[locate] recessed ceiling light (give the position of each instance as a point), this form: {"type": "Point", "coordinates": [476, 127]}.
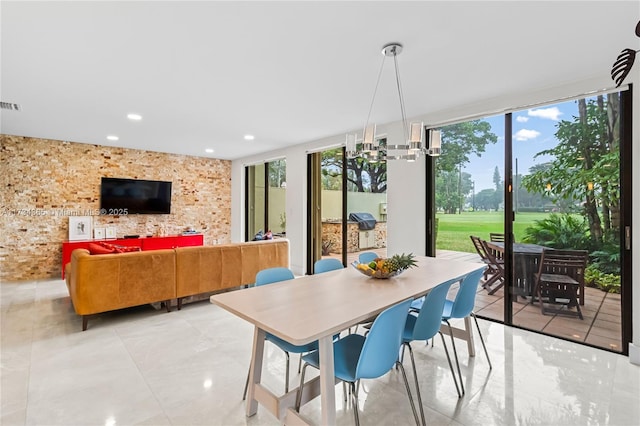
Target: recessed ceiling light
{"type": "Point", "coordinates": [209, 150]}
{"type": "Point", "coordinates": [249, 137]}
{"type": "Point", "coordinates": [113, 137]}
{"type": "Point", "coordinates": [134, 117]}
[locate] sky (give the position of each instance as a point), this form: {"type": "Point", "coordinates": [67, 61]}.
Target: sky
{"type": "Point", "coordinates": [533, 131]}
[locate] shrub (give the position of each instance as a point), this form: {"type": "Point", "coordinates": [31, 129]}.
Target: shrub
{"type": "Point", "coordinates": [559, 231]}
{"type": "Point", "coordinates": [606, 282]}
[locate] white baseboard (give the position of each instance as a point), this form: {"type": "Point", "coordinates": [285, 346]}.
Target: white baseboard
{"type": "Point", "coordinates": [634, 354]}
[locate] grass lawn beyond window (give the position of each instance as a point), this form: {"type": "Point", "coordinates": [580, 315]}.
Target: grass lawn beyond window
{"type": "Point", "coordinates": [454, 229]}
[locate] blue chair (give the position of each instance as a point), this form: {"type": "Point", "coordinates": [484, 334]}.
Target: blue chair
{"type": "Point", "coordinates": [269, 276]}
{"type": "Point", "coordinates": [367, 256]}
{"type": "Point", "coordinates": [326, 265]}
{"type": "Point", "coordinates": [426, 325]}
{"type": "Point", "coordinates": [358, 357]}
{"type": "Point", "coordinates": [462, 307]}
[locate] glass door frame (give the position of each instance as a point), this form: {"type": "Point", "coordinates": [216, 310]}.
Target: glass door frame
{"type": "Point", "coordinates": [314, 196]}
{"type": "Point", "coordinates": [625, 147]}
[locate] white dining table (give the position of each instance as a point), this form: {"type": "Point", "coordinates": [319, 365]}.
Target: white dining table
{"type": "Point", "coordinates": [315, 307]}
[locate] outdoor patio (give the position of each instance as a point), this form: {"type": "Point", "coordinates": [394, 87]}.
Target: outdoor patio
{"type": "Point", "coordinates": [601, 325]}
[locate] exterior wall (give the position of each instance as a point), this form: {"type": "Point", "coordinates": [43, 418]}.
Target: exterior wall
{"type": "Point", "coordinates": [332, 232]}
{"type": "Point", "coordinates": [45, 181]}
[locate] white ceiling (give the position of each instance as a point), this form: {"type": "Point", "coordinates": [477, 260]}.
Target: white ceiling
{"type": "Point", "coordinates": [204, 74]}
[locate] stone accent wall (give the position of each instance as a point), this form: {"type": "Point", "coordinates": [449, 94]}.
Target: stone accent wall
{"type": "Point", "coordinates": [332, 232]}
{"type": "Point", "coordinates": [45, 181]}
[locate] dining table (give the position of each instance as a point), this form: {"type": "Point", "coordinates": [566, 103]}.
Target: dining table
{"type": "Point", "coordinates": [526, 261]}
{"type": "Point", "coordinates": [316, 307]}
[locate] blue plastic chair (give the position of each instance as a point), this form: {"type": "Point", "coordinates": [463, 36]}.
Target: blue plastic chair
{"type": "Point", "coordinates": [367, 357]}
{"type": "Point", "coordinates": [269, 276]}
{"type": "Point", "coordinates": [426, 325]}
{"type": "Point", "coordinates": [367, 256]}
{"type": "Point", "coordinates": [462, 307]}
{"type": "Point", "coordinates": [326, 265]}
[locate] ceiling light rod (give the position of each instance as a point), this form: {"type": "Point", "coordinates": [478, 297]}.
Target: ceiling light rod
{"type": "Point", "coordinates": [369, 146]}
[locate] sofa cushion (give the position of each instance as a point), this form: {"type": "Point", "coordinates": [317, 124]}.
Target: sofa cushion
{"type": "Point", "coordinates": [126, 249]}
{"type": "Point", "coordinates": [97, 248]}
{"type": "Point", "coordinates": [106, 248]}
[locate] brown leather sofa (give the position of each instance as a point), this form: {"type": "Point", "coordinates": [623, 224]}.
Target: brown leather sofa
{"type": "Point", "coordinates": [101, 283]}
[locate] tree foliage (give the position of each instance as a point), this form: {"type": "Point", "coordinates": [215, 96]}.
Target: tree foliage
{"type": "Point", "coordinates": [362, 175]}
{"type": "Point", "coordinates": [585, 165]}
{"type": "Point", "coordinates": [453, 187]}
{"type": "Point", "coordinates": [459, 141]}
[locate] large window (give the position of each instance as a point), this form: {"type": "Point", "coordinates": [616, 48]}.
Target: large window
{"type": "Point", "coordinates": [265, 199]}
{"type": "Point", "coordinates": [542, 179]}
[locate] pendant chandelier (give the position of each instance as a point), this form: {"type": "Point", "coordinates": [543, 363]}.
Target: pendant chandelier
{"type": "Point", "coordinates": [369, 146]}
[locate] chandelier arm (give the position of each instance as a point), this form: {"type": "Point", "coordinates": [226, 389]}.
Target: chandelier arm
{"type": "Point", "coordinates": [401, 97]}
{"type": "Point", "coordinates": [375, 91]}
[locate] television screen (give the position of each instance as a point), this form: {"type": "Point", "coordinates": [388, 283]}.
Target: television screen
{"type": "Point", "coordinates": [120, 196]}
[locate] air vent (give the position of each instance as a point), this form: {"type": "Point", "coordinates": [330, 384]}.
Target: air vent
{"type": "Point", "coordinates": [10, 106]}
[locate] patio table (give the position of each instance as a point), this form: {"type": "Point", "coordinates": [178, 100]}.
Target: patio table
{"type": "Point", "coordinates": [526, 260]}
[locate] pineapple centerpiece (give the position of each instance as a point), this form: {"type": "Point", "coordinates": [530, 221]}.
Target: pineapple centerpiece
{"type": "Point", "coordinates": [387, 268]}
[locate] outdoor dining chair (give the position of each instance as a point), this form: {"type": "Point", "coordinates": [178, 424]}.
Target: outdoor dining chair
{"type": "Point", "coordinates": [496, 237]}
{"type": "Point", "coordinates": [494, 273]}
{"type": "Point", "coordinates": [560, 280]}
{"type": "Point", "coordinates": [367, 357]}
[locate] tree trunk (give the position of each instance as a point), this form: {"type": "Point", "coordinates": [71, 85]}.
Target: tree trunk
{"type": "Point", "coordinates": [590, 206]}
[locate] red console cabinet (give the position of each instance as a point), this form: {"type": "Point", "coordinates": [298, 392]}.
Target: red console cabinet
{"type": "Point", "coordinates": [149, 243]}
{"type": "Point", "coordinates": [159, 243]}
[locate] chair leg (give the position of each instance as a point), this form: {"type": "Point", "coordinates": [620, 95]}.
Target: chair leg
{"type": "Point", "coordinates": [246, 385]}
{"type": "Point", "coordinates": [354, 399]}
{"type": "Point", "coordinates": [413, 406]}
{"type": "Point", "coordinates": [453, 373]}
{"type": "Point", "coordinates": [455, 354]}
{"type": "Point", "coordinates": [286, 374]}
{"type": "Point", "coordinates": [299, 393]}
{"type": "Point", "coordinates": [482, 340]}
{"type": "Point", "coordinates": [299, 363]}
{"type": "Point", "coordinates": [415, 377]}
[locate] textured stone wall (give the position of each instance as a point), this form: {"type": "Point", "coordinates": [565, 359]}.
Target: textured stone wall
{"type": "Point", "coordinates": [332, 232]}
{"type": "Point", "coordinates": [45, 181]}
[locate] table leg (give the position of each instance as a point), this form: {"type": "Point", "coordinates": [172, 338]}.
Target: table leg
{"type": "Point", "coordinates": [468, 328]}
{"type": "Point", "coordinates": [255, 371]}
{"type": "Point", "coordinates": [327, 381]}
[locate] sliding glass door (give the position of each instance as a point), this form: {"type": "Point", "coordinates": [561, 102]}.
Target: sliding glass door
{"type": "Point", "coordinates": [347, 206]}
{"type": "Point", "coordinates": [552, 180]}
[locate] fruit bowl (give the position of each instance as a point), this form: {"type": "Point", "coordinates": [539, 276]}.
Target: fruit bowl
{"type": "Point", "coordinates": [377, 274]}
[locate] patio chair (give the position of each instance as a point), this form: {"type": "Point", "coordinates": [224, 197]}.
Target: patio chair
{"type": "Point", "coordinates": [496, 270]}
{"type": "Point", "coordinates": [495, 265]}
{"type": "Point", "coordinates": [496, 237]}
{"type": "Point", "coordinates": [560, 280]}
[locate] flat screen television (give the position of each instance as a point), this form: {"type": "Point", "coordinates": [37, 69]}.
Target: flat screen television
{"type": "Point", "coordinates": [119, 196]}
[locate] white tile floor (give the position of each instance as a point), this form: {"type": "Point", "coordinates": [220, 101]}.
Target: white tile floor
{"type": "Point", "coordinates": [147, 367]}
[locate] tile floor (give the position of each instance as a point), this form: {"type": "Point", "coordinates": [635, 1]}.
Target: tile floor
{"type": "Point", "coordinates": [144, 366]}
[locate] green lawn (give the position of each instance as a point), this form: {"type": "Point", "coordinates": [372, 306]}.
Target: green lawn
{"type": "Point", "coordinates": [454, 229]}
